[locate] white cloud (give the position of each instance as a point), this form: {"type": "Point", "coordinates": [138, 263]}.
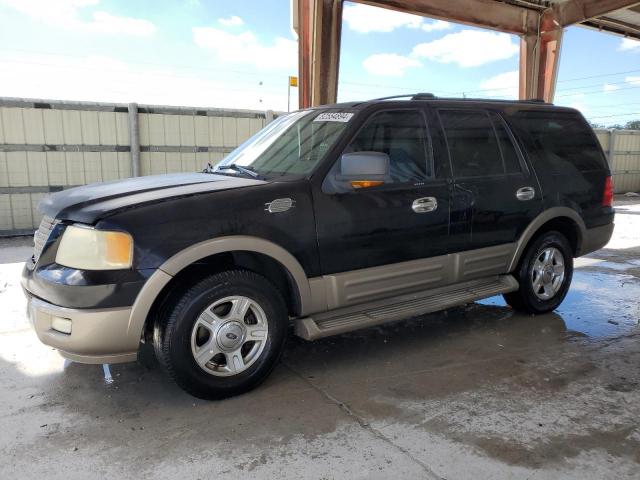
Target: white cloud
{"type": "Point", "coordinates": [608, 88]}
{"type": "Point", "coordinates": [629, 44]}
{"type": "Point", "coordinates": [66, 14]}
{"type": "Point", "coordinates": [436, 25]}
{"type": "Point", "coordinates": [365, 18]}
{"type": "Point", "coordinates": [106, 23]}
{"type": "Point", "coordinates": [635, 81]}
{"type": "Point", "coordinates": [234, 21]}
{"type": "Point", "coordinates": [389, 64]}
{"type": "Point", "coordinates": [468, 48]}
{"type": "Point", "coordinates": [502, 85]}
{"type": "Point", "coordinates": [244, 48]}
{"type": "Point", "coordinates": [107, 79]}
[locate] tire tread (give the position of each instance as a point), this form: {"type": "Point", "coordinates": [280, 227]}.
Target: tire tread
{"type": "Point", "coordinates": [167, 322]}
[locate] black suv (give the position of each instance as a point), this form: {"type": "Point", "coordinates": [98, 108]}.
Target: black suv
{"type": "Point", "coordinates": [329, 219]}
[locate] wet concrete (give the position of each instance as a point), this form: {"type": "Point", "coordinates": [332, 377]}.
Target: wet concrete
{"type": "Point", "coordinates": [474, 392]}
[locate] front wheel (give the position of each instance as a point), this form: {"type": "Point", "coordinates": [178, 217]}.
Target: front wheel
{"type": "Point", "coordinates": [224, 335]}
{"type": "Point", "coordinates": [544, 274]}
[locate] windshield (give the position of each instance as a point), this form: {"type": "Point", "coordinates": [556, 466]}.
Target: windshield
{"type": "Point", "coordinates": [290, 145]}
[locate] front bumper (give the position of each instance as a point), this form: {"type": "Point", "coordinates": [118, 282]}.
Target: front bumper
{"type": "Point", "coordinates": [97, 335]}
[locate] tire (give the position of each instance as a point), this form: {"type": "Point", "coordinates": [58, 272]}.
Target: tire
{"type": "Point", "coordinates": [544, 274]}
{"type": "Point", "coordinates": [223, 336]}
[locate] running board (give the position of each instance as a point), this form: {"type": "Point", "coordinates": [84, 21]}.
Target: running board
{"type": "Point", "coordinates": [402, 307]}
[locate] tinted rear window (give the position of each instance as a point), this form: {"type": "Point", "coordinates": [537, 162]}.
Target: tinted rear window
{"type": "Point", "coordinates": [564, 140]}
{"type": "Point", "coordinates": [472, 143]}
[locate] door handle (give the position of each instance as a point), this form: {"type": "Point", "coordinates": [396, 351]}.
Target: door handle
{"type": "Point", "coordinates": [525, 193]}
{"type": "Point", "coordinates": [424, 204]}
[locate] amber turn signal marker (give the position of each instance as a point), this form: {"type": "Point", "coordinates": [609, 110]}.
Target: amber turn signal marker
{"type": "Point", "coordinates": [118, 248]}
{"type": "Point", "coordinates": [366, 183]}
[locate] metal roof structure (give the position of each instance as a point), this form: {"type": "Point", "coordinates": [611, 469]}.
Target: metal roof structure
{"type": "Point", "coordinates": [538, 23]}
{"type": "Point", "coordinates": [625, 21]}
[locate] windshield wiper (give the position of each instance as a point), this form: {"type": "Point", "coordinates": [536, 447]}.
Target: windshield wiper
{"type": "Point", "coordinates": [239, 169]}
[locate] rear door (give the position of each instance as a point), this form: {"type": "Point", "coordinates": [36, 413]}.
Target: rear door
{"type": "Point", "coordinates": [568, 160]}
{"type": "Point", "coordinates": [494, 194]}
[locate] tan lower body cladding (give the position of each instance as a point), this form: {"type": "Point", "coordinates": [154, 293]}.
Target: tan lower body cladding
{"type": "Point", "coordinates": [345, 289]}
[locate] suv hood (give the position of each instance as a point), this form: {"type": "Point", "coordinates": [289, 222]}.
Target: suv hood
{"type": "Point", "coordinates": [89, 203]}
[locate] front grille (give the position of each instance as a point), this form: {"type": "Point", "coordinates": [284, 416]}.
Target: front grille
{"type": "Point", "coordinates": [41, 236]}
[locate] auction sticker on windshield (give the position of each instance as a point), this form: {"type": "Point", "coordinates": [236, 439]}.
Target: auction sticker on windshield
{"type": "Point", "coordinates": [333, 117]}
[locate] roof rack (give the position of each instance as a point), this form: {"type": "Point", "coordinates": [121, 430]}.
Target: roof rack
{"type": "Point", "coordinates": [431, 96]}
{"type": "Point", "coordinates": [411, 96]}
{"type": "Point", "coordinates": [423, 96]}
{"type": "Point", "coordinates": [496, 100]}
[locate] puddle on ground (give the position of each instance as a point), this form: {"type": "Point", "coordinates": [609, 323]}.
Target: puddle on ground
{"type": "Point", "coordinates": [597, 305]}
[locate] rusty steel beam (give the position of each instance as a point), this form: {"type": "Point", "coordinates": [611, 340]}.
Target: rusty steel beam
{"type": "Point", "coordinates": [480, 13]}
{"type": "Point", "coordinates": [578, 11]}
{"type": "Point", "coordinates": [302, 13]}
{"type": "Point", "coordinates": [539, 59]}
{"type": "Point", "coordinates": [613, 25]}
{"type": "Point", "coordinates": [318, 24]}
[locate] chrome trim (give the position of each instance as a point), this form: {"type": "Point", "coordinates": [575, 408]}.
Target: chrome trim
{"type": "Point", "coordinates": [525, 193]}
{"type": "Point", "coordinates": [279, 205]}
{"type": "Point", "coordinates": [424, 205]}
{"type": "Point", "coordinates": [41, 236]}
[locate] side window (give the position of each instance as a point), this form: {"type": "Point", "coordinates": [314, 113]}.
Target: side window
{"type": "Point", "coordinates": [401, 134]}
{"type": "Point", "coordinates": [509, 154]}
{"type": "Point", "coordinates": [564, 141]}
{"type": "Point", "coordinates": [472, 143]}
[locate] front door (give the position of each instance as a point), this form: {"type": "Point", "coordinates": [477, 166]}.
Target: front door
{"type": "Point", "coordinates": [405, 218]}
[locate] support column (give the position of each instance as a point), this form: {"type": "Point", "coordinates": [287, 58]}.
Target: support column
{"type": "Point", "coordinates": [318, 24]}
{"type": "Point", "coordinates": [539, 59]}
{"type": "Point", "coordinates": [134, 139]}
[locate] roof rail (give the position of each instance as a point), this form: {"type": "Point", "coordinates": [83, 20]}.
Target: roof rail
{"type": "Point", "coordinates": [423, 96]}
{"type": "Point", "coordinates": [494, 100]}
{"type": "Point", "coordinates": [431, 96]}
{"type": "Point", "coordinates": [411, 96]}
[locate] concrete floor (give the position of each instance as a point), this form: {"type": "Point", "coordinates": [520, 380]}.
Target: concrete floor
{"type": "Point", "coordinates": [472, 393]}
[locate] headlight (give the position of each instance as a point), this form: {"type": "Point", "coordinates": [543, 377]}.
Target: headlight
{"type": "Point", "coordinates": [86, 248]}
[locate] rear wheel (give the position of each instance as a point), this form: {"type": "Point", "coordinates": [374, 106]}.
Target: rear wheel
{"type": "Point", "coordinates": [224, 335]}
{"type": "Point", "coordinates": [544, 274]}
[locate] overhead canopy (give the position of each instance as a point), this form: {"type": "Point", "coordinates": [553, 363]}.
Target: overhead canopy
{"type": "Point", "coordinates": [539, 23]}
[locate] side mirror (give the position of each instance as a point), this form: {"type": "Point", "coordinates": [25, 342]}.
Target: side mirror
{"type": "Point", "coordinates": [364, 169]}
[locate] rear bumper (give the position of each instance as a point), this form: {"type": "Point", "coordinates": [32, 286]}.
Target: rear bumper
{"type": "Point", "coordinates": [595, 238]}
{"type": "Point", "coordinates": [97, 335]}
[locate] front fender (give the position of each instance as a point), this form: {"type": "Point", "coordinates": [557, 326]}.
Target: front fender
{"type": "Point", "coordinates": [207, 248]}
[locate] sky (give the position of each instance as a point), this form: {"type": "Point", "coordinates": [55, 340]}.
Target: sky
{"type": "Point", "coordinates": [239, 54]}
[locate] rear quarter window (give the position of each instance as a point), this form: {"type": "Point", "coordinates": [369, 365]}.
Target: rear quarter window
{"type": "Point", "coordinates": [563, 140]}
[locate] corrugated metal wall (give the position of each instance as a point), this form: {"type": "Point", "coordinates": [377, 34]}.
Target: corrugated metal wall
{"type": "Point", "coordinates": [623, 151]}
{"type": "Point", "coordinates": [47, 146]}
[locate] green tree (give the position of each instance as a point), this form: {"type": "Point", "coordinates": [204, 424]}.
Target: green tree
{"type": "Point", "coordinates": [633, 125]}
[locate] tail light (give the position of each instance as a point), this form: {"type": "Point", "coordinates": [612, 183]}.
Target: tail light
{"type": "Point", "coordinates": [607, 196]}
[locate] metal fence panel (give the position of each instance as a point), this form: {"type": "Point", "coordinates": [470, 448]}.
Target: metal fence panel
{"type": "Point", "coordinates": [50, 145]}
{"type": "Point", "coordinates": [623, 152]}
